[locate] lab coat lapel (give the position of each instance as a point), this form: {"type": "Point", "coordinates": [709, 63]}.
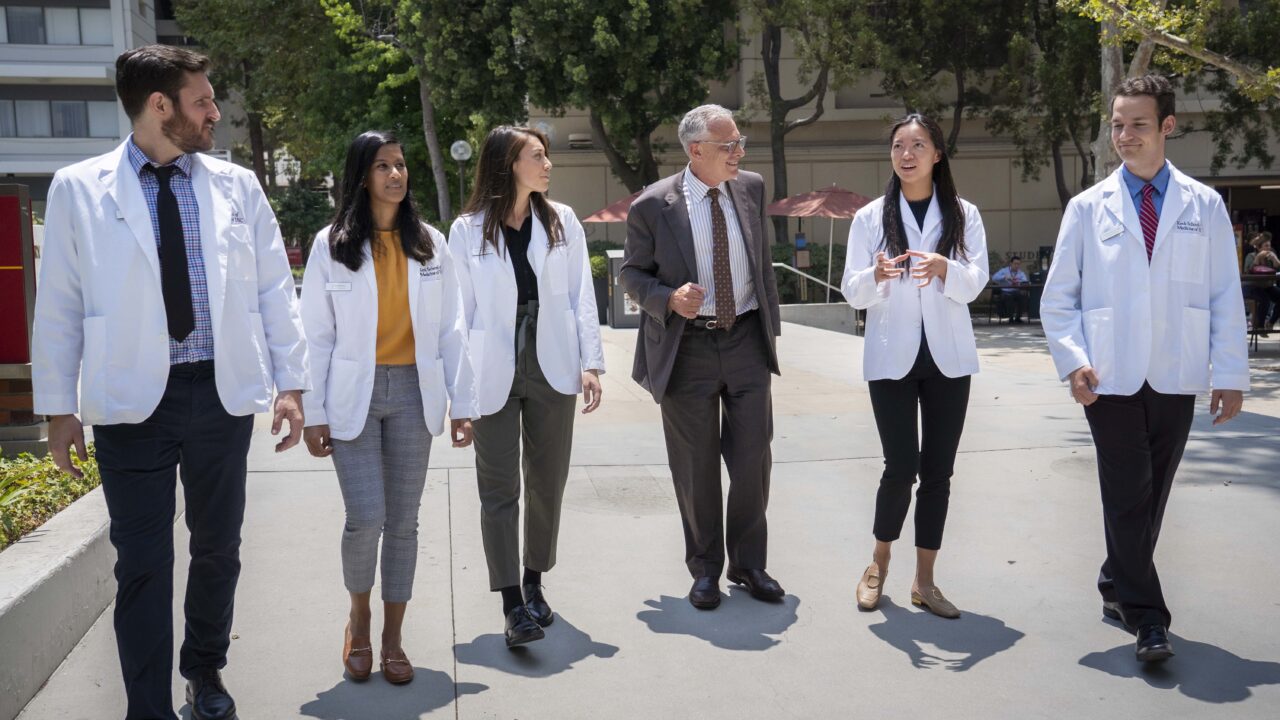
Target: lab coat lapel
{"type": "Point", "coordinates": [125, 189]}
{"type": "Point", "coordinates": [676, 215]}
{"type": "Point", "coordinates": [213, 197]}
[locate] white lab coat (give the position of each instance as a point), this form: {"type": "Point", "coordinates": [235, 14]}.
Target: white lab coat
{"type": "Point", "coordinates": [897, 309]}
{"type": "Point", "coordinates": [100, 317]}
{"type": "Point", "coordinates": [1176, 322]}
{"type": "Point", "coordinates": [340, 315]}
{"type": "Point", "coordinates": [568, 335]}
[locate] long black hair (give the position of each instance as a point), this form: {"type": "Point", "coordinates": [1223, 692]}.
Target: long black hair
{"type": "Point", "coordinates": [951, 244]}
{"type": "Point", "coordinates": [494, 190]}
{"type": "Point", "coordinates": [353, 223]}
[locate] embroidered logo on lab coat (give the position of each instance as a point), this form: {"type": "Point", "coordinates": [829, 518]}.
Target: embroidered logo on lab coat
{"type": "Point", "coordinates": [430, 272]}
{"type": "Point", "coordinates": [1188, 226]}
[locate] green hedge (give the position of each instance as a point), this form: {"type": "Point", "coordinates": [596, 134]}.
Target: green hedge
{"type": "Point", "coordinates": [32, 490]}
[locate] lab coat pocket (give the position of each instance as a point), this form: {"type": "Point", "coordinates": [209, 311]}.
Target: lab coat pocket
{"type": "Point", "coordinates": [1190, 257]}
{"type": "Point", "coordinates": [340, 395]}
{"type": "Point", "coordinates": [1100, 336]}
{"type": "Point", "coordinates": [93, 370]}
{"type": "Point", "coordinates": [1193, 365]}
{"type": "Point", "coordinates": [241, 261]}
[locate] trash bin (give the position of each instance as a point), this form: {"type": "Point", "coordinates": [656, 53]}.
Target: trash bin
{"type": "Point", "coordinates": [623, 311]}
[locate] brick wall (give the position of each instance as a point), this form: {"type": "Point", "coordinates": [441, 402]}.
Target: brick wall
{"type": "Point", "coordinates": [15, 402]}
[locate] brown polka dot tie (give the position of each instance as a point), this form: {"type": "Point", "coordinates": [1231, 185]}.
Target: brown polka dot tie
{"type": "Point", "coordinates": [722, 274]}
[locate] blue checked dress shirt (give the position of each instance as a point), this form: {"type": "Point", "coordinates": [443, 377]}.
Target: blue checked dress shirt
{"type": "Point", "coordinates": [199, 344]}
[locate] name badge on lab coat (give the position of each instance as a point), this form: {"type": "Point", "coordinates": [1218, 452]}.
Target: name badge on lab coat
{"type": "Point", "coordinates": [337, 287]}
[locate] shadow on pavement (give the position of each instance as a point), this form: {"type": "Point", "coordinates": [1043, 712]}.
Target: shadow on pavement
{"type": "Point", "coordinates": [960, 644]}
{"type": "Point", "coordinates": [740, 623]}
{"type": "Point", "coordinates": [1200, 671]}
{"type": "Point", "coordinates": [563, 646]}
{"type": "Point", "coordinates": [348, 700]}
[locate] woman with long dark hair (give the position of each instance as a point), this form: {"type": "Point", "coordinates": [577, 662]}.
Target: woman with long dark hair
{"type": "Point", "coordinates": [533, 331]}
{"type": "Point", "coordinates": [916, 258]}
{"type": "Point", "coordinates": [388, 347]}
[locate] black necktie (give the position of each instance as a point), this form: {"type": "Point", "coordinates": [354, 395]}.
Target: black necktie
{"type": "Point", "coordinates": [175, 283]}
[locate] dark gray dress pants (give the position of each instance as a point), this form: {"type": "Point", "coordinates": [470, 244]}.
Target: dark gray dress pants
{"type": "Point", "coordinates": [718, 404]}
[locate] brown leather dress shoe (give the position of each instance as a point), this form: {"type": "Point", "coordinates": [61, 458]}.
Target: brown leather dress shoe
{"type": "Point", "coordinates": [396, 668]}
{"type": "Point", "coordinates": [357, 655]}
{"type": "Point", "coordinates": [870, 587]}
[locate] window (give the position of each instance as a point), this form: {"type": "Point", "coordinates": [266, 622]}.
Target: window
{"type": "Point", "coordinates": [95, 26]}
{"type": "Point", "coordinates": [104, 122]}
{"type": "Point", "coordinates": [8, 128]}
{"type": "Point", "coordinates": [59, 118]}
{"type": "Point", "coordinates": [33, 118]}
{"type": "Point", "coordinates": [70, 118]}
{"type": "Point", "coordinates": [62, 26]}
{"type": "Point", "coordinates": [55, 26]}
{"type": "Point", "coordinates": [26, 25]}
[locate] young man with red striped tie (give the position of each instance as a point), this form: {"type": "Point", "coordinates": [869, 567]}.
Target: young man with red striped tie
{"type": "Point", "coordinates": [1143, 310]}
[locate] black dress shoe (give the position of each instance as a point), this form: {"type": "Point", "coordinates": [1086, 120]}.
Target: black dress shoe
{"type": "Point", "coordinates": [209, 698]}
{"type": "Point", "coordinates": [1153, 644]}
{"type": "Point", "coordinates": [522, 628]}
{"type": "Point", "coordinates": [705, 593]}
{"type": "Point", "coordinates": [1111, 609]}
{"type": "Point", "coordinates": [537, 605]}
{"type": "Point", "coordinates": [758, 583]}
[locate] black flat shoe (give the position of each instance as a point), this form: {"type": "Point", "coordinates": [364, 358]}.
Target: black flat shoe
{"type": "Point", "coordinates": [1153, 644]}
{"type": "Point", "coordinates": [705, 593]}
{"type": "Point", "coordinates": [758, 583]}
{"type": "Point", "coordinates": [522, 628]}
{"type": "Point", "coordinates": [537, 605]}
{"type": "Point", "coordinates": [209, 698]}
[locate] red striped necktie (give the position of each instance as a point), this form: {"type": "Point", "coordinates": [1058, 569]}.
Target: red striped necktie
{"type": "Point", "coordinates": [1147, 217]}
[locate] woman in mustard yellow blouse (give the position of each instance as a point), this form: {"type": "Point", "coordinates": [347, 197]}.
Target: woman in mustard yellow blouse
{"type": "Point", "coordinates": [388, 348]}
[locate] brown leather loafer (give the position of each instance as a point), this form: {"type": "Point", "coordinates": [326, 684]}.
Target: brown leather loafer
{"type": "Point", "coordinates": [870, 587]}
{"type": "Point", "coordinates": [933, 601]}
{"type": "Point", "coordinates": [396, 669]}
{"type": "Point", "coordinates": [357, 655]}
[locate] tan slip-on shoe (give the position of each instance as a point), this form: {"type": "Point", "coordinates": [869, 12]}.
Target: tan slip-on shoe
{"type": "Point", "coordinates": [870, 587]}
{"type": "Point", "coordinates": [357, 655]}
{"type": "Point", "coordinates": [933, 601]}
{"type": "Point", "coordinates": [396, 669]}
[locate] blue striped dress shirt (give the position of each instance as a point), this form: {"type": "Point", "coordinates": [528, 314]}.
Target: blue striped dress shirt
{"type": "Point", "coordinates": [744, 289]}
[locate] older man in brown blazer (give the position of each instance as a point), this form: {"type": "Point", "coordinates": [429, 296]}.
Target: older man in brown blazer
{"type": "Point", "coordinates": [698, 263]}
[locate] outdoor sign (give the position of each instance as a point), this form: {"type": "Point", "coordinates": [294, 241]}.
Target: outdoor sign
{"type": "Point", "coordinates": [17, 275]}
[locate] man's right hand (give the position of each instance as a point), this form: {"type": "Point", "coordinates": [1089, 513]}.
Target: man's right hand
{"type": "Point", "coordinates": [1083, 382]}
{"type": "Point", "coordinates": [686, 300]}
{"type": "Point", "coordinates": [65, 431]}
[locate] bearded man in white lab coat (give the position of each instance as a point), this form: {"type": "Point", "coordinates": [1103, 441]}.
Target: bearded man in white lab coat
{"type": "Point", "coordinates": [1143, 310]}
{"type": "Point", "coordinates": [165, 316]}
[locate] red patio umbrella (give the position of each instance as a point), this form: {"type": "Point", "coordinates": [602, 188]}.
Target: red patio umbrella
{"type": "Point", "coordinates": [829, 202]}
{"type": "Point", "coordinates": [615, 212]}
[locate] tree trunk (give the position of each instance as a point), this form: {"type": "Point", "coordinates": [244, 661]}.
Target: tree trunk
{"type": "Point", "coordinates": [1060, 175]}
{"type": "Point", "coordinates": [257, 148]}
{"type": "Point", "coordinates": [633, 178]}
{"type": "Point", "coordinates": [1104, 155]}
{"type": "Point", "coordinates": [957, 115]}
{"type": "Point", "coordinates": [433, 141]}
{"type": "Point", "coordinates": [770, 44]}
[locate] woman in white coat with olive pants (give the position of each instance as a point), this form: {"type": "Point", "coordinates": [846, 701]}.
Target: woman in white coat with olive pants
{"type": "Point", "coordinates": [919, 349]}
{"type": "Point", "coordinates": [535, 338]}
{"type": "Point", "coordinates": [383, 316]}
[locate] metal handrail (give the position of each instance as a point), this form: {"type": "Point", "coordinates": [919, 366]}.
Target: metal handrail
{"type": "Point", "coordinates": [804, 274]}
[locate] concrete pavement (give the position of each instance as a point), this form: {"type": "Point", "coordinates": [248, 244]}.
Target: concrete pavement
{"type": "Point", "coordinates": [1023, 543]}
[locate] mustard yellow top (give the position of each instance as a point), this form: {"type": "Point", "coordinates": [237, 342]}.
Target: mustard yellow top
{"type": "Point", "coordinates": [395, 325]}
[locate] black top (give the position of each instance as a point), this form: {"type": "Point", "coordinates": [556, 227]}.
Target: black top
{"type": "Point", "coordinates": [920, 208]}
{"type": "Point", "coordinates": [518, 246]}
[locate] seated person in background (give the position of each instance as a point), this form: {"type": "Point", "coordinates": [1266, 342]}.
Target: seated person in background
{"type": "Point", "coordinates": [1266, 307]}
{"type": "Point", "coordinates": [1251, 252]}
{"type": "Point", "coordinates": [1009, 300]}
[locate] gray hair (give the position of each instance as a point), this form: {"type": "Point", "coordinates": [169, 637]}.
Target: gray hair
{"type": "Point", "coordinates": [693, 127]}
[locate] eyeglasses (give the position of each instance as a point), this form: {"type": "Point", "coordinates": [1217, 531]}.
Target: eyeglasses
{"type": "Point", "coordinates": [740, 144]}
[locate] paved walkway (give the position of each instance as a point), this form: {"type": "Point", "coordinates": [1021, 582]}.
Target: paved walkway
{"type": "Point", "coordinates": [1024, 540]}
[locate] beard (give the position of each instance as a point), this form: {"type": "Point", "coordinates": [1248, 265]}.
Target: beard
{"type": "Point", "coordinates": [187, 135]}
